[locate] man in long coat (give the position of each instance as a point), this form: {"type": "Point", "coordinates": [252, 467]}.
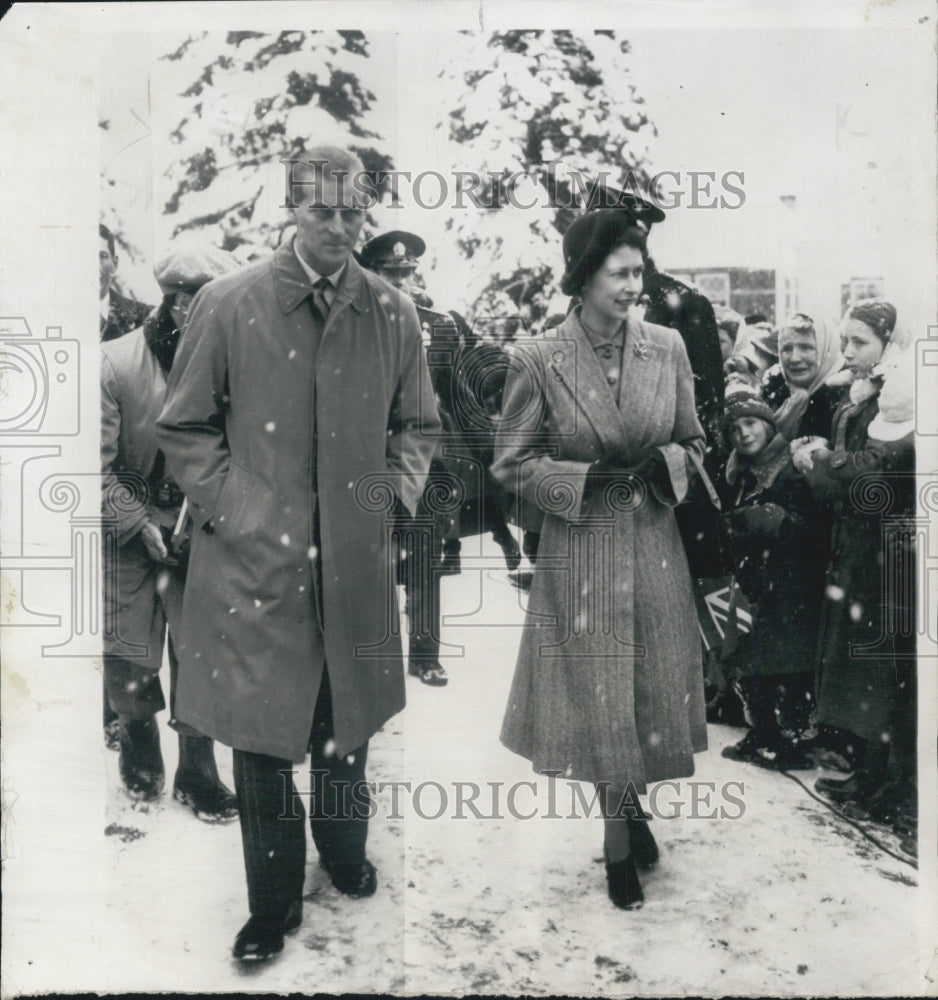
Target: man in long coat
{"type": "Point", "coordinates": [140, 509]}
{"type": "Point", "coordinates": [117, 315]}
{"type": "Point", "coordinates": [300, 405]}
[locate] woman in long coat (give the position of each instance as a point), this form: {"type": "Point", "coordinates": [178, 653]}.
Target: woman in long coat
{"type": "Point", "coordinates": [867, 644]}
{"type": "Point", "coordinates": [599, 431]}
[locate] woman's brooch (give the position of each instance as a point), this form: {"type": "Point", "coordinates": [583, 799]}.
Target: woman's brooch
{"type": "Point", "coordinates": [641, 350]}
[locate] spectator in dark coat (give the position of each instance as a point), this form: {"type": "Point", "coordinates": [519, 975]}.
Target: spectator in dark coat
{"type": "Point", "coordinates": [805, 387]}
{"type": "Point", "coordinates": [777, 531]}
{"type": "Point", "coordinates": [867, 648]}
{"type": "Point", "coordinates": [119, 315]}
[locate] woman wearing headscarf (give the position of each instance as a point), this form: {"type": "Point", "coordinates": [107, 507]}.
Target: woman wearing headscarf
{"type": "Point", "coordinates": [599, 430]}
{"type": "Point", "coordinates": [799, 388]}
{"type": "Point", "coordinates": [866, 659]}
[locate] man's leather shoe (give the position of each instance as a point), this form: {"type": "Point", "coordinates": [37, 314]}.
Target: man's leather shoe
{"type": "Point", "coordinates": [262, 937]}
{"type": "Point", "coordinates": [112, 735]}
{"type": "Point", "coordinates": [451, 564]}
{"type": "Point", "coordinates": [355, 878]}
{"type": "Point", "coordinates": [429, 671]}
{"type": "Point", "coordinates": [211, 801]}
{"type": "Point", "coordinates": [746, 750]}
{"type": "Point", "coordinates": [510, 550]}
{"type": "Point", "coordinates": [141, 762]}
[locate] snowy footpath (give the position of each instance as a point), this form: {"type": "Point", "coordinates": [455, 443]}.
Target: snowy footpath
{"type": "Point", "coordinates": [490, 880]}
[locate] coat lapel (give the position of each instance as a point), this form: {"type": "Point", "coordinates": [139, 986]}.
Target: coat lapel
{"type": "Point", "coordinates": [643, 363]}
{"type": "Point", "coordinates": [574, 363]}
{"type": "Point", "coordinates": [293, 285]}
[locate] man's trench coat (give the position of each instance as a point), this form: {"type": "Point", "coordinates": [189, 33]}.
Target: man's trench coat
{"type": "Point", "coordinates": [290, 449]}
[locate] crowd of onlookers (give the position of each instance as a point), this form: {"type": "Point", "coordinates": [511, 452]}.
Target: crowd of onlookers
{"type": "Point", "coordinates": [819, 500]}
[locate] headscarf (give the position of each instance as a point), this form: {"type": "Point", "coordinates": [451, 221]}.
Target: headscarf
{"type": "Point", "coordinates": [830, 361]}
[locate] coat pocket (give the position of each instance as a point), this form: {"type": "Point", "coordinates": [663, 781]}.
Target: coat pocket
{"type": "Point", "coordinates": [247, 508]}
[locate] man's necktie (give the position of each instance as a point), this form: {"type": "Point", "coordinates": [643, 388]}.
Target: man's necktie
{"type": "Point", "coordinates": [321, 295]}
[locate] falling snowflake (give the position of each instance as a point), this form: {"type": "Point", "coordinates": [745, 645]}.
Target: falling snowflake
{"type": "Point", "coordinates": [284, 539]}
{"type": "Point", "coordinates": [270, 427]}
{"type": "Point", "coordinates": [329, 749]}
{"type": "Point", "coordinates": [835, 593]}
{"type": "Point", "coordinates": [312, 552]}
{"type": "Point", "coordinates": [856, 611]}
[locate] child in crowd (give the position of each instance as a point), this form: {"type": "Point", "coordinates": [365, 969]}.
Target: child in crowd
{"type": "Point", "coordinates": [779, 540]}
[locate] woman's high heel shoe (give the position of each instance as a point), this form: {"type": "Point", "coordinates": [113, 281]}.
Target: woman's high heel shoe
{"type": "Point", "coordinates": [624, 888]}
{"type": "Point", "coordinates": [645, 852]}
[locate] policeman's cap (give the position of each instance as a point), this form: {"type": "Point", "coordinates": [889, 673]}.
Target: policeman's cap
{"type": "Point", "coordinates": [393, 251]}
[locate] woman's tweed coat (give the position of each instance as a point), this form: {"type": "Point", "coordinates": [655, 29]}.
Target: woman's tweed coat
{"type": "Point", "coordinates": [608, 684]}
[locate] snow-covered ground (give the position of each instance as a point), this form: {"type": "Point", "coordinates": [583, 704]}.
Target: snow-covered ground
{"type": "Point", "coordinates": [784, 899]}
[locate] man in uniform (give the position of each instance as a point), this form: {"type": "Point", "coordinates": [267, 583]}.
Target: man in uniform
{"type": "Point", "coordinates": [456, 470]}
{"type": "Point", "coordinates": [144, 577]}
{"type": "Point", "coordinates": [393, 256]}
{"type": "Point", "coordinates": [299, 406]}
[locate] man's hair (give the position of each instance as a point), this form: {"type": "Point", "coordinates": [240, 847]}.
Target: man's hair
{"type": "Point", "coordinates": [324, 161]}
{"type": "Point", "coordinates": [107, 235]}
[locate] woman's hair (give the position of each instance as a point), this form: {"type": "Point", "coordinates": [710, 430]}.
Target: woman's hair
{"type": "Point", "coordinates": [590, 240]}
{"type": "Point", "coordinates": [878, 314]}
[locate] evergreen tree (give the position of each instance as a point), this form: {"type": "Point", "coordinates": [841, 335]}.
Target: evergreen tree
{"type": "Point", "coordinates": [555, 107]}
{"type": "Point", "coordinates": [247, 100]}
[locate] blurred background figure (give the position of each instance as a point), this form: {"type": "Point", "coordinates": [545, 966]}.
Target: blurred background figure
{"type": "Point", "coordinates": [118, 314]}
{"type": "Point", "coordinates": [461, 498]}
{"type": "Point", "coordinates": [755, 349]}
{"type": "Point", "coordinates": [144, 564]}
